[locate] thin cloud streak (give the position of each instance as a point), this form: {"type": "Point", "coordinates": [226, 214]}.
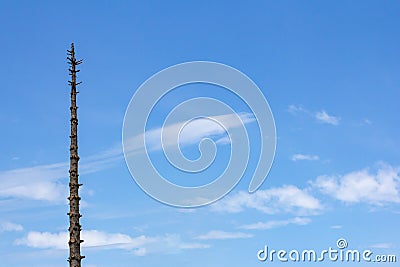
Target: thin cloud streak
{"type": "Point", "coordinates": [298, 157]}
{"type": "Point", "coordinates": [187, 133]}
{"type": "Point", "coordinates": [324, 117]}
{"type": "Point", "coordinates": [321, 116]}
{"type": "Point", "coordinates": [222, 235]}
{"type": "Point", "coordinates": [297, 109]}
{"type": "Point", "coordinates": [382, 245]}
{"type": "Point", "coordinates": [48, 182]}
{"type": "Point", "coordinates": [98, 240]}
{"type": "Point", "coordinates": [10, 227]}
{"type": "Point", "coordinates": [274, 224]}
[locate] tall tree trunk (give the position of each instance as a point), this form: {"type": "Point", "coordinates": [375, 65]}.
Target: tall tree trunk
{"type": "Point", "coordinates": [74, 215]}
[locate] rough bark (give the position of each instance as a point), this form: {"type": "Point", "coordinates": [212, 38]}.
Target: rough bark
{"type": "Point", "coordinates": [74, 215]}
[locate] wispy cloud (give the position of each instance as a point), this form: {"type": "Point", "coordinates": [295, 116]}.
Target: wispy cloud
{"type": "Point", "coordinates": [39, 182]}
{"type": "Point", "coordinates": [321, 116]}
{"type": "Point", "coordinates": [10, 227]}
{"type": "Point", "coordinates": [140, 245]}
{"type": "Point", "coordinates": [275, 224]}
{"type": "Point", "coordinates": [47, 182]}
{"type": "Point", "coordinates": [297, 157]}
{"type": "Point", "coordinates": [297, 109]}
{"type": "Point", "coordinates": [188, 133]}
{"type": "Point", "coordinates": [336, 227]}
{"type": "Point", "coordinates": [367, 121]}
{"type": "Point", "coordinates": [286, 199]}
{"type": "Point", "coordinates": [382, 245]}
{"type": "Point", "coordinates": [223, 141]}
{"type": "Point", "coordinates": [221, 235]}
{"type": "Point", "coordinates": [92, 238]}
{"type": "Point", "coordinates": [376, 188]}
{"type": "Point", "coordinates": [324, 117]}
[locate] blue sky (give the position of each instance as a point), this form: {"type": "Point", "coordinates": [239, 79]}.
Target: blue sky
{"type": "Point", "coordinates": [329, 70]}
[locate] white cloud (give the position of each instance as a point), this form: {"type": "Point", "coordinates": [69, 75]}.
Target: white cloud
{"type": "Point", "coordinates": [44, 240]}
{"type": "Point", "coordinates": [367, 122]}
{"type": "Point", "coordinates": [39, 183]}
{"type": "Point", "coordinates": [324, 117]}
{"type": "Point", "coordinates": [297, 157]}
{"type": "Point", "coordinates": [363, 186]}
{"type": "Point", "coordinates": [221, 235]}
{"type": "Point", "coordinates": [296, 109]}
{"type": "Point", "coordinates": [140, 245]}
{"type": "Point", "coordinates": [48, 182]}
{"type": "Point", "coordinates": [382, 245]}
{"type": "Point", "coordinates": [286, 199]}
{"type": "Point", "coordinates": [223, 140]}
{"type": "Point", "coordinates": [321, 116]}
{"type": "Point", "coordinates": [189, 133]}
{"type": "Point", "coordinates": [194, 246]}
{"type": "Point", "coordinates": [275, 224]}
{"type": "Point", "coordinates": [10, 227]}
{"type": "Point", "coordinates": [92, 238]}
{"type": "Point", "coordinates": [336, 227]}
{"type": "Point", "coordinates": [172, 243]}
